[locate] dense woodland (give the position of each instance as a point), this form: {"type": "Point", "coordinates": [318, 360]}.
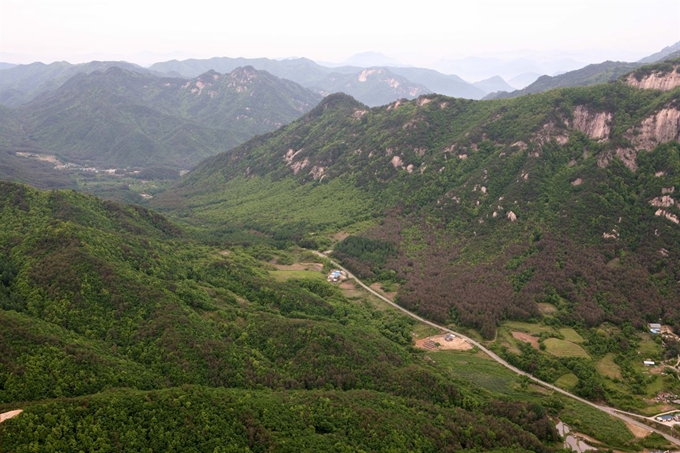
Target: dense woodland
{"type": "Point", "coordinates": [97, 297]}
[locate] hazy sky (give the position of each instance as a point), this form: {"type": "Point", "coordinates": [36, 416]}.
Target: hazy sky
{"type": "Point", "coordinates": [413, 32]}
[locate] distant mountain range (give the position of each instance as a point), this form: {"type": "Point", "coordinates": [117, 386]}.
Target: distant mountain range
{"type": "Point", "coordinates": [22, 83]}
{"type": "Point", "coordinates": [370, 77]}
{"type": "Point", "coordinates": [176, 113]}
{"type": "Point", "coordinates": [373, 86]}
{"type": "Point", "coordinates": [121, 118]}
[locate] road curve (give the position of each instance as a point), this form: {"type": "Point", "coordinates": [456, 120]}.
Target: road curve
{"type": "Point", "coordinates": [609, 410]}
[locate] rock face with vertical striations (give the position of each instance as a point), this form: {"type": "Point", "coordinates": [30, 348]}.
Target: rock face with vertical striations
{"type": "Point", "coordinates": [665, 77]}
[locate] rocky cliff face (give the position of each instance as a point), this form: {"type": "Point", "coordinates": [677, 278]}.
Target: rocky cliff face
{"type": "Point", "coordinates": [661, 127]}
{"type": "Point", "coordinates": [594, 125]}
{"type": "Point", "coordinates": [656, 80]}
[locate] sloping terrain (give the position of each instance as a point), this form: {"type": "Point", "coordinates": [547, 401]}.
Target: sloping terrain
{"type": "Point", "coordinates": [213, 352]}
{"type": "Point", "coordinates": [20, 84]}
{"type": "Point", "coordinates": [485, 208]}
{"type": "Point", "coordinates": [592, 74]}
{"type": "Point", "coordinates": [119, 118]}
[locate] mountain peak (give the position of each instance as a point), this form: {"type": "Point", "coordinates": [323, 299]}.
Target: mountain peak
{"type": "Point", "coordinates": [338, 101]}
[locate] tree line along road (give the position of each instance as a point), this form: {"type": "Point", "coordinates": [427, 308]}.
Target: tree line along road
{"type": "Point", "coordinates": [609, 410]}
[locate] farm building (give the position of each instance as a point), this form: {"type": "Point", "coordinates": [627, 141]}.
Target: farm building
{"type": "Point", "coordinates": [649, 363]}
{"type": "Point", "coordinates": [449, 337]}
{"type": "Point", "coordinates": [337, 276]}
{"type": "Point", "coordinates": [666, 418]}
{"type": "Point", "coordinates": [654, 327]}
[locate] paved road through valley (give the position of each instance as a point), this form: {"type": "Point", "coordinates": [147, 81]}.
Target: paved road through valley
{"type": "Point", "coordinates": [607, 409]}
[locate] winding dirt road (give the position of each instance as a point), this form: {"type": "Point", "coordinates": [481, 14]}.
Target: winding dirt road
{"type": "Point", "coordinates": [609, 410]}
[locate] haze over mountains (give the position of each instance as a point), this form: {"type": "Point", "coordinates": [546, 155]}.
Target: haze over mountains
{"type": "Point", "coordinates": [527, 222]}
{"type": "Point", "coordinates": [120, 118]}
{"type": "Point", "coordinates": [173, 114]}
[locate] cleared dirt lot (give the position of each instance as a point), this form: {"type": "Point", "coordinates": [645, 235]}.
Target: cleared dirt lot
{"type": "Point", "coordinates": [525, 337]}
{"type": "Point", "coordinates": [438, 343]}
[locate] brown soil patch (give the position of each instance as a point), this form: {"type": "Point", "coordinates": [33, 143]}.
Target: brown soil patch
{"type": "Point", "coordinates": [525, 337]}
{"type": "Point", "coordinates": [318, 267]}
{"type": "Point", "coordinates": [347, 285]}
{"type": "Point", "coordinates": [637, 431]}
{"type": "Point", "coordinates": [10, 414]}
{"type": "Point", "coordinates": [430, 344]}
{"type": "Point", "coordinates": [376, 287]}
{"type": "Point", "coordinates": [656, 369]}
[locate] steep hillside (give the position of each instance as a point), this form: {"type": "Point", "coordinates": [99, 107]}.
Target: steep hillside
{"type": "Point", "coordinates": [119, 118]}
{"type": "Point", "coordinates": [662, 54]}
{"type": "Point", "coordinates": [97, 296]}
{"type": "Point", "coordinates": [661, 76]}
{"type": "Point", "coordinates": [590, 75]}
{"type": "Point", "coordinates": [480, 210]}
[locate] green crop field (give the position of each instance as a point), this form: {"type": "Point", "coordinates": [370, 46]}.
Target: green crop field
{"type": "Point", "coordinates": [571, 335]}
{"type": "Point", "coordinates": [531, 328]}
{"type": "Point", "coordinates": [567, 381]}
{"type": "Point", "coordinates": [562, 348]}
{"type": "Point", "coordinates": [480, 369]}
{"type": "Point", "coordinates": [606, 367]}
{"type": "Point", "coordinates": [282, 275]}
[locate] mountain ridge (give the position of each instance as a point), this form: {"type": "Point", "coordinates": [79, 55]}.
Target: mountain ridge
{"type": "Point", "coordinates": [130, 119]}
{"type": "Point", "coordinates": [477, 169]}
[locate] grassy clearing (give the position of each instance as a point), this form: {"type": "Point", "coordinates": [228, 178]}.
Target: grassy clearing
{"type": "Point", "coordinates": [654, 387]}
{"type": "Point", "coordinates": [534, 329]}
{"type": "Point", "coordinates": [563, 348]}
{"type": "Point", "coordinates": [282, 275]}
{"type": "Point", "coordinates": [649, 348]}
{"type": "Point", "coordinates": [506, 339]}
{"type": "Point", "coordinates": [421, 330]}
{"type": "Point", "coordinates": [546, 309]}
{"type": "Point", "coordinates": [571, 335]}
{"type": "Point", "coordinates": [567, 381]}
{"type": "Point", "coordinates": [480, 369]}
{"type": "Point", "coordinates": [592, 422]}
{"type": "Point", "coordinates": [606, 367]}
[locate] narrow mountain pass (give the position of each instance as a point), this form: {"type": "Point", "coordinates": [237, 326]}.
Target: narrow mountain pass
{"type": "Point", "coordinates": [609, 410]}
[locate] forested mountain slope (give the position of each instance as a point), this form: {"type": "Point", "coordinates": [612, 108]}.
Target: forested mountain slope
{"type": "Point", "coordinates": [119, 118]}
{"type": "Point", "coordinates": [486, 208]}
{"type": "Point", "coordinates": [592, 74]}
{"type": "Point", "coordinates": [214, 353]}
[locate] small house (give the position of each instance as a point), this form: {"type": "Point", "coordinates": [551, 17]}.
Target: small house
{"type": "Point", "coordinates": [337, 276]}
{"type": "Point", "coordinates": [664, 418]}
{"type": "Point", "coordinates": [449, 337]}
{"type": "Point", "coordinates": [649, 363]}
